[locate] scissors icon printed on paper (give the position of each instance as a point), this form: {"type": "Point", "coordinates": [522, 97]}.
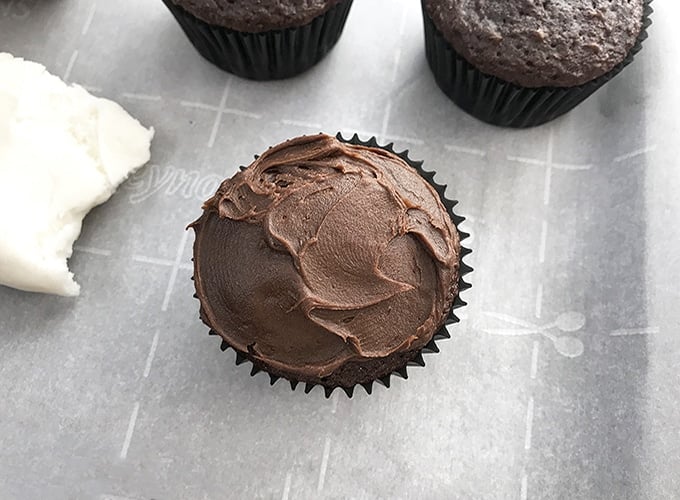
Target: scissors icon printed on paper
{"type": "Point", "coordinates": [566, 345]}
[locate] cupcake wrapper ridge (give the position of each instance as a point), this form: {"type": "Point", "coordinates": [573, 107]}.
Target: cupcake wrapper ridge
{"type": "Point", "coordinates": [441, 334]}
{"type": "Point", "coordinates": [269, 55]}
{"type": "Point", "coordinates": [500, 102]}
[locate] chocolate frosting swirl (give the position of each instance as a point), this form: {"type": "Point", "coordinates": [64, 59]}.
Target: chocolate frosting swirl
{"type": "Point", "coordinates": [323, 253]}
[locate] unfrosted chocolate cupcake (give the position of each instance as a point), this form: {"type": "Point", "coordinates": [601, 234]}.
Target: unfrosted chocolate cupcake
{"type": "Point", "coordinates": [262, 39]}
{"type": "Point", "coordinates": [327, 263]}
{"type": "Point", "coordinates": [521, 63]}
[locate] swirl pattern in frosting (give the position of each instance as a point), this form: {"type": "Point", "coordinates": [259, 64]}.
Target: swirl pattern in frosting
{"type": "Point", "coordinates": [323, 255]}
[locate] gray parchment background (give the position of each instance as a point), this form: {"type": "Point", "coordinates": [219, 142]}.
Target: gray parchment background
{"type": "Point", "coordinates": [561, 382]}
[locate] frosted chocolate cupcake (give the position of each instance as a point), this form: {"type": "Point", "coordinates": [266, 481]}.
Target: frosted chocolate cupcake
{"type": "Point", "coordinates": [263, 39]}
{"type": "Point", "coordinates": [327, 263]}
{"type": "Point", "coordinates": [521, 63]}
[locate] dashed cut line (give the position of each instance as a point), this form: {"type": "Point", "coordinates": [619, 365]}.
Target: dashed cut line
{"type": "Point", "coordinates": [548, 185]}
{"type": "Point", "coordinates": [538, 308]}
{"type": "Point", "coordinates": [286, 486]}
{"type": "Point", "coordinates": [397, 52]}
{"type": "Point", "coordinates": [152, 354]}
{"type": "Point", "coordinates": [402, 23]}
{"type": "Point", "coordinates": [540, 163]}
{"type": "Point", "coordinates": [528, 161]}
{"type": "Point", "coordinates": [395, 64]}
{"type": "Point", "coordinates": [90, 18]}
{"type": "Point", "coordinates": [637, 152]}
{"type": "Point", "coordinates": [551, 147]}
{"type": "Point", "coordinates": [238, 112]}
{"type": "Point", "coordinates": [510, 319]}
{"type": "Point", "coordinates": [399, 138]}
{"type": "Point", "coordinates": [300, 123]}
{"type": "Point", "coordinates": [529, 424]}
{"type": "Point", "coordinates": [71, 64]}
{"type": "Point", "coordinates": [524, 488]}
{"type": "Point", "coordinates": [92, 251]}
{"type": "Point", "coordinates": [627, 332]}
{"type": "Point", "coordinates": [363, 134]}
{"type": "Point", "coordinates": [386, 121]}
{"type": "Point", "coordinates": [220, 110]}
{"type": "Point", "coordinates": [185, 266]}
{"type": "Point", "coordinates": [198, 105]}
{"type": "Point", "coordinates": [466, 150]}
{"type": "Point", "coordinates": [175, 270]}
{"type": "Point", "coordinates": [544, 242]}
{"type": "Point", "coordinates": [130, 432]}
{"type": "Point", "coordinates": [334, 404]}
{"type": "Point", "coordinates": [152, 260]}
{"type": "Point", "coordinates": [534, 360]}
{"type": "Point", "coordinates": [572, 166]}
{"type": "Point", "coordinates": [324, 465]}
{"type": "Point", "coordinates": [142, 97]}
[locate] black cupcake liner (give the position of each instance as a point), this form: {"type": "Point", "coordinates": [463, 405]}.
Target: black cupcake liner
{"type": "Point", "coordinates": [270, 55]}
{"type": "Point", "coordinates": [441, 334]}
{"type": "Point", "coordinates": [499, 102]}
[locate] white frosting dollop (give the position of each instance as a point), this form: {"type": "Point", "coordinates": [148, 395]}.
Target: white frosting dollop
{"type": "Point", "coordinates": [62, 152]}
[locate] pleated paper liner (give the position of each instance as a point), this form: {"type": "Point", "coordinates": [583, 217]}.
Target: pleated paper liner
{"type": "Point", "coordinates": [417, 357]}
{"type": "Point", "coordinates": [269, 55]}
{"type": "Point", "coordinates": [502, 103]}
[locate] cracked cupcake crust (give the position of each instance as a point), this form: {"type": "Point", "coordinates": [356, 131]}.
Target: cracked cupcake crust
{"type": "Point", "coordinates": [540, 43]}
{"type": "Point", "coordinates": [256, 16]}
{"type": "Point", "coordinates": [326, 262]}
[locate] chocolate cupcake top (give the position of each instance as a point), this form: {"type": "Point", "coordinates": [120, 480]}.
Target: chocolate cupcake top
{"type": "Point", "coordinates": [537, 43]}
{"type": "Point", "coordinates": [323, 253]}
{"type": "Point", "coordinates": [256, 16]}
